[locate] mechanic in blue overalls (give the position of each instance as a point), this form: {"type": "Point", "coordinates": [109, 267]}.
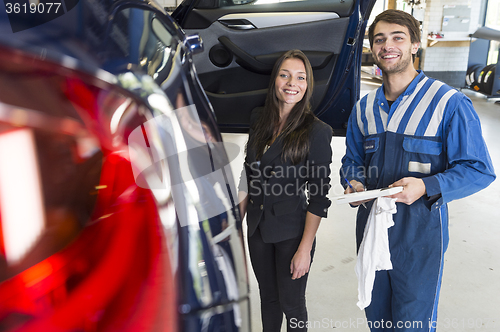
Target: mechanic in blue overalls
{"type": "Point", "coordinates": [421, 134]}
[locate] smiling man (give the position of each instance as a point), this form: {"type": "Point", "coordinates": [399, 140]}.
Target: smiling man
{"type": "Point", "coordinates": [425, 136]}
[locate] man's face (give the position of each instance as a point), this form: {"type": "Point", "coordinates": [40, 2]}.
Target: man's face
{"type": "Point", "coordinates": [392, 48]}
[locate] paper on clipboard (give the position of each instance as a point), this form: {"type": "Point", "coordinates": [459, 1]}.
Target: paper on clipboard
{"type": "Point", "coordinates": [368, 194]}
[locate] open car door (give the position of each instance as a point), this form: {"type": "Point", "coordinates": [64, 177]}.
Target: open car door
{"type": "Point", "coordinates": [243, 38]}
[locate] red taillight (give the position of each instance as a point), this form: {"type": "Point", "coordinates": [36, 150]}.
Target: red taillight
{"type": "Point", "coordinates": [101, 261]}
{"type": "Point", "coordinates": [115, 276]}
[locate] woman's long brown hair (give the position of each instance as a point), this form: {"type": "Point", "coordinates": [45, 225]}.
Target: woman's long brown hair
{"type": "Point", "coordinates": [295, 134]}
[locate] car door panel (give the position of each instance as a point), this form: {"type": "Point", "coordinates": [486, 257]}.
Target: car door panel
{"type": "Point", "coordinates": [234, 90]}
{"type": "Point", "coordinates": [202, 18]}
{"type": "Point", "coordinates": [262, 42]}
{"type": "Point", "coordinates": [243, 41]}
{"type": "Point", "coordinates": [262, 20]}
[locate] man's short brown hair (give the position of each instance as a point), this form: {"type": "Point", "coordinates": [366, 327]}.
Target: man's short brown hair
{"type": "Point", "coordinates": [397, 17]}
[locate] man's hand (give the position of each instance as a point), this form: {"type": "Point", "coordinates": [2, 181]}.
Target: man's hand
{"type": "Point", "coordinates": [358, 186]}
{"type": "Point", "coordinates": [413, 189]}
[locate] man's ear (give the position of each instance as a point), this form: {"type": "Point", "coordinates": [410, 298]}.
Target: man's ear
{"type": "Point", "coordinates": [414, 48]}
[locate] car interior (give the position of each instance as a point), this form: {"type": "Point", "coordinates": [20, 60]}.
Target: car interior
{"type": "Point", "coordinates": [243, 40]}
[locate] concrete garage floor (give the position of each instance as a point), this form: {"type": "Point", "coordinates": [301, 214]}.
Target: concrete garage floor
{"type": "Point", "coordinates": [470, 294]}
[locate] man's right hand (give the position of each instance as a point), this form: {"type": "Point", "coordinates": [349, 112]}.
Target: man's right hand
{"type": "Point", "coordinates": [358, 186]}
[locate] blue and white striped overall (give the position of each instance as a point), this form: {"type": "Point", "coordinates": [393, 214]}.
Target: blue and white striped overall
{"type": "Point", "coordinates": [431, 132]}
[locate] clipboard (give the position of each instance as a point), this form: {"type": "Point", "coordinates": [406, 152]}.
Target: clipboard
{"type": "Point", "coordinates": [367, 194]}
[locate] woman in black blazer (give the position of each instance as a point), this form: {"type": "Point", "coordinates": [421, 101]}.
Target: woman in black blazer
{"type": "Point", "coordinates": [288, 158]}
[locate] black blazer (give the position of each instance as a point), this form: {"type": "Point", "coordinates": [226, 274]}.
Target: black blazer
{"type": "Point", "coordinates": [278, 202]}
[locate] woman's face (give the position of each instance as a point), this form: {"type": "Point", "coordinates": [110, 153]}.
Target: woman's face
{"type": "Point", "coordinates": [291, 82]}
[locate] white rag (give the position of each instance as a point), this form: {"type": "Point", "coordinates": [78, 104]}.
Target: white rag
{"type": "Point", "coordinates": [374, 252]}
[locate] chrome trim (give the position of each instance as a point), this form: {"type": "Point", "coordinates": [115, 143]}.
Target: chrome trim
{"type": "Point", "coordinates": [240, 26]}
{"type": "Point", "coordinates": [267, 20]}
{"type": "Point", "coordinates": [194, 43]}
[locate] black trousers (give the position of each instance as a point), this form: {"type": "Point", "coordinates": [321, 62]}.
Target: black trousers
{"type": "Point", "coordinates": [278, 292]}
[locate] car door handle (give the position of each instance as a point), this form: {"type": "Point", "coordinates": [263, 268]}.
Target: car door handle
{"type": "Point", "coordinates": [238, 24]}
{"type": "Point", "coordinates": [244, 59]}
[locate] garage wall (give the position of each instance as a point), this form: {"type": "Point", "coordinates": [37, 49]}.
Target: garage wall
{"type": "Point", "coordinates": [447, 59]}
